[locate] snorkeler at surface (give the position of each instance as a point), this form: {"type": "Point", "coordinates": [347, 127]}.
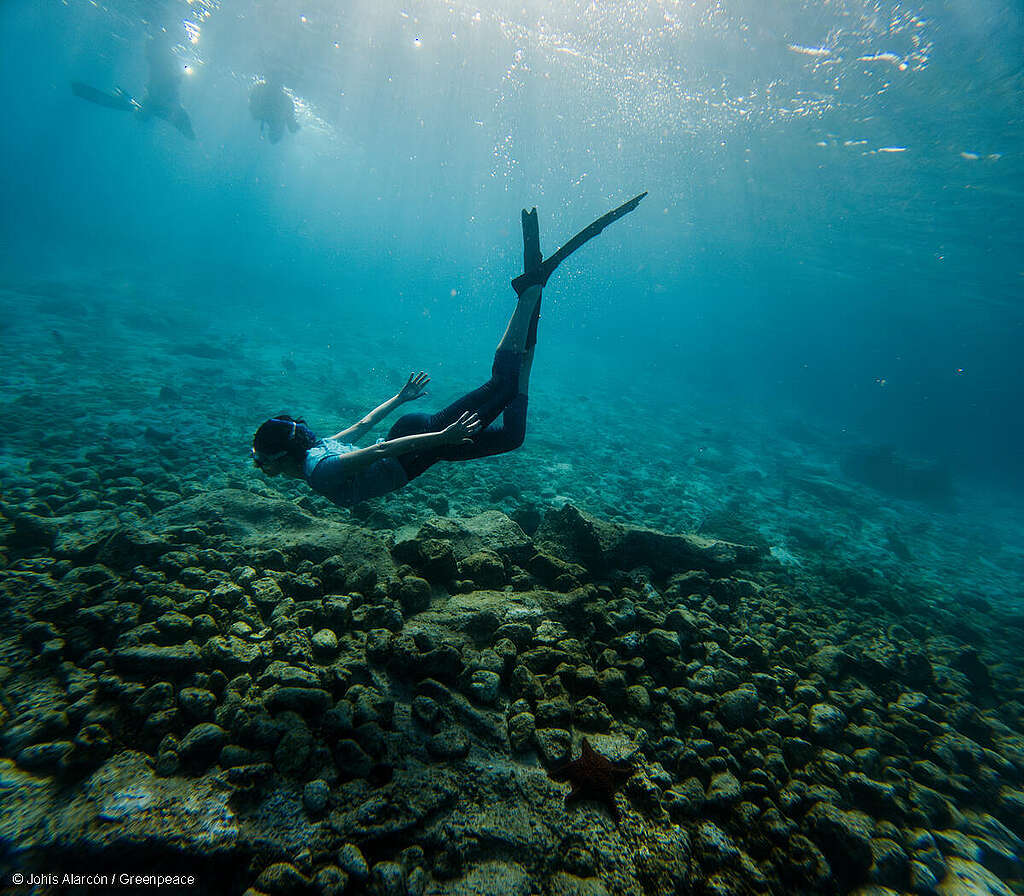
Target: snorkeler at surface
{"type": "Point", "coordinates": [161, 99]}
{"type": "Point", "coordinates": [464, 430]}
{"type": "Point", "coordinates": [273, 107]}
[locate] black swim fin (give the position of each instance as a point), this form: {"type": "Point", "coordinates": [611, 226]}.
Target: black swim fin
{"type": "Point", "coordinates": [119, 100]}
{"type": "Point", "coordinates": [538, 275]}
{"type": "Point", "coordinates": [531, 241]}
{"type": "Point", "coordinates": [179, 118]}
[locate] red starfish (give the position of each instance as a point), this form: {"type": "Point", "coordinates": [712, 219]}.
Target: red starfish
{"type": "Point", "coordinates": [594, 777]}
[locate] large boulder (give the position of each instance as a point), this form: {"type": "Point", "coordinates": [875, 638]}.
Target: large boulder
{"type": "Point", "coordinates": [605, 546]}
{"type": "Point", "coordinates": [124, 807]}
{"type": "Point", "coordinates": [124, 812]}
{"type": "Point", "coordinates": [491, 531]}
{"type": "Point", "coordinates": [253, 521]}
{"type": "Point", "coordinates": [28, 802]}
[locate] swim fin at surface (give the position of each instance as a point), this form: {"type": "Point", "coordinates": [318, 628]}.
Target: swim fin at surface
{"type": "Point", "coordinates": [119, 100]}
{"type": "Point", "coordinates": [538, 275]}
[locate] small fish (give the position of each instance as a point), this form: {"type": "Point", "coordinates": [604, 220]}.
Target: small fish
{"type": "Point", "coordinates": [809, 51]}
{"type": "Point", "coordinates": [880, 57]}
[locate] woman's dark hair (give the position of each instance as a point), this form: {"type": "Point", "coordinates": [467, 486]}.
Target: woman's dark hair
{"type": "Point", "coordinates": [284, 433]}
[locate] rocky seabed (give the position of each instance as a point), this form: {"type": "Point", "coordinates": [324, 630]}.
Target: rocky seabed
{"type": "Point", "coordinates": [281, 703]}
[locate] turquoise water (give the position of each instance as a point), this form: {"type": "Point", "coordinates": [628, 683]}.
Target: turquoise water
{"type": "Point", "coordinates": [785, 257]}
{"type": "Point", "coordinates": [805, 339]}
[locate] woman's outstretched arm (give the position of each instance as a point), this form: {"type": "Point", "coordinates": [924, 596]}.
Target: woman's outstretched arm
{"type": "Point", "coordinates": [462, 430]}
{"type": "Point", "coordinates": [413, 389]}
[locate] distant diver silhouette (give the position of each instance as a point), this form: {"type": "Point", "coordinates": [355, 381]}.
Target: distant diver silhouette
{"type": "Point", "coordinates": [161, 99]}
{"type": "Point", "coordinates": [464, 430]}
{"type": "Point", "coordinates": [273, 107]}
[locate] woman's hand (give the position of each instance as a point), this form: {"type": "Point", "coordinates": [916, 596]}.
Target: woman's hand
{"type": "Point", "coordinates": [415, 388]}
{"type": "Point", "coordinates": [462, 430]}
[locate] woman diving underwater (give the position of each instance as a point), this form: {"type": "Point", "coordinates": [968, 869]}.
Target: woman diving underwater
{"type": "Point", "coordinates": [465, 430]}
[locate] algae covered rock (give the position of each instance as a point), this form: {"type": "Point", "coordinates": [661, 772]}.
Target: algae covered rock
{"type": "Point", "coordinates": [845, 837]}
{"type": "Point", "coordinates": [590, 714]}
{"type": "Point", "coordinates": [256, 522]}
{"type": "Point", "coordinates": [281, 879]}
{"type": "Point", "coordinates": [151, 659]}
{"type": "Point", "coordinates": [724, 790]}
{"type": "Point", "coordinates": [28, 802]}
{"type": "Point", "coordinates": [967, 878]}
{"type": "Point", "coordinates": [827, 722]}
{"type": "Point", "coordinates": [442, 543]}
{"type": "Point", "coordinates": [739, 707]}
{"type": "Point", "coordinates": [521, 728]}
{"type": "Point", "coordinates": [484, 568]}
{"type": "Point", "coordinates": [715, 847]}
{"type": "Point", "coordinates": [232, 654]}
{"type": "Point", "coordinates": [202, 743]}
{"type": "Point", "coordinates": [352, 861]}
{"type": "Point", "coordinates": [661, 644]}
{"type": "Point", "coordinates": [412, 593]}
{"type": "Point", "coordinates": [315, 796]}
{"type": "Point", "coordinates": [604, 546]}
{"type": "Point", "coordinates": [484, 686]}
{"type": "Point", "coordinates": [494, 878]}
{"type": "Point", "coordinates": [324, 643]}
{"type": "Point", "coordinates": [125, 807]}
{"type": "Point", "coordinates": [564, 884]}
{"type": "Point", "coordinates": [451, 742]}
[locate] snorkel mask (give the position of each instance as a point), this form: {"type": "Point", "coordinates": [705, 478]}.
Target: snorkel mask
{"type": "Point", "coordinates": [279, 433]}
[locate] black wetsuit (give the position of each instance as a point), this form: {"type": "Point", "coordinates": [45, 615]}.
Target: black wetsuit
{"type": "Point", "coordinates": [499, 395]}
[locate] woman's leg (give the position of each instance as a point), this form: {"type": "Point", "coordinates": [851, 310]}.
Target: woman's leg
{"type": "Point", "coordinates": [517, 332]}
{"type": "Point", "coordinates": [486, 401]}
{"type": "Point", "coordinates": [506, 392]}
{"type": "Point", "coordinates": [497, 438]}
{"type": "Point", "coordinates": [502, 394]}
